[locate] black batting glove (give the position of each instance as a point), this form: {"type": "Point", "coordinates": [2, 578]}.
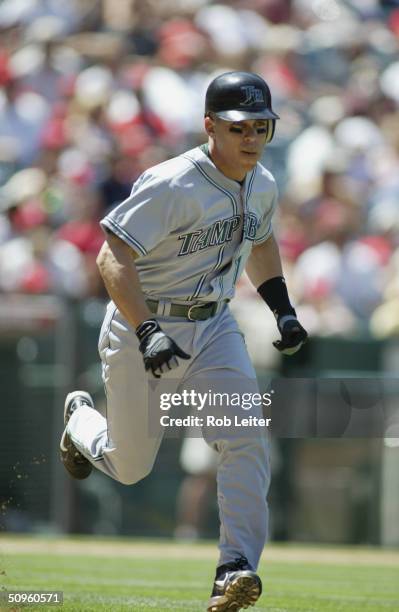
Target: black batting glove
{"type": "Point", "coordinates": [159, 351]}
{"type": "Point", "coordinates": [293, 335]}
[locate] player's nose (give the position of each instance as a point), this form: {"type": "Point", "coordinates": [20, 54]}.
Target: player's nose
{"type": "Point", "coordinates": [250, 134]}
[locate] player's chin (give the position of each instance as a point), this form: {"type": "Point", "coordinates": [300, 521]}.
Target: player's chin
{"type": "Point", "coordinates": [249, 159]}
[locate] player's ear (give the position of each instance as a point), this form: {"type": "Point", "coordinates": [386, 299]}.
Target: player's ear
{"type": "Point", "coordinates": [209, 125]}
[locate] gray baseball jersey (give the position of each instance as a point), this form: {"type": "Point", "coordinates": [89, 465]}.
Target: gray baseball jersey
{"type": "Point", "coordinates": [193, 227]}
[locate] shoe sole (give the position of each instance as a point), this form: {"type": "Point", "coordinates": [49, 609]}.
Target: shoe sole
{"type": "Point", "coordinates": [243, 592]}
{"type": "Point", "coordinates": [84, 469]}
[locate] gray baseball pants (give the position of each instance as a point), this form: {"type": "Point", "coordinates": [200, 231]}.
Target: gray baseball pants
{"type": "Point", "coordinates": [121, 446]}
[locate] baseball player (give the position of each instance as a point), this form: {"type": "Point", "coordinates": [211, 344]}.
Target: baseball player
{"type": "Point", "coordinates": [170, 261]}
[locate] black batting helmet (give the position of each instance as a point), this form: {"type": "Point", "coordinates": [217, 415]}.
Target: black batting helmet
{"type": "Point", "coordinates": [236, 96]}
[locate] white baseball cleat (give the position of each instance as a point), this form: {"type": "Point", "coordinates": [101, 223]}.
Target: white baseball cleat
{"type": "Point", "coordinates": [74, 462]}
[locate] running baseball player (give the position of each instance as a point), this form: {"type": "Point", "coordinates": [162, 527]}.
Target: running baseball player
{"type": "Point", "coordinates": [173, 253]}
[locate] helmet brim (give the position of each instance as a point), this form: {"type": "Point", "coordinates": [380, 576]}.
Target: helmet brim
{"type": "Point", "coordinates": [238, 115]}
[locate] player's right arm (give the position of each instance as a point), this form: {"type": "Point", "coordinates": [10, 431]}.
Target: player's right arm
{"type": "Point", "coordinates": [115, 262]}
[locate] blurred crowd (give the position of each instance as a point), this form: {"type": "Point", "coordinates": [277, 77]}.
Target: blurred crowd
{"type": "Point", "coordinates": [93, 92]}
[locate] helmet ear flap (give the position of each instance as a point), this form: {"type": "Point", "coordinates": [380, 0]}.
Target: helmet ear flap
{"type": "Point", "coordinates": [271, 126]}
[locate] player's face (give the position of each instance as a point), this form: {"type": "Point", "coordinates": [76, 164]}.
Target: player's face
{"type": "Point", "coordinates": [236, 147]}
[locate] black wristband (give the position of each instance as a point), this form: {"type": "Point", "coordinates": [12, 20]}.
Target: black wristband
{"type": "Point", "coordinates": [147, 327]}
{"type": "Point", "coordinates": [274, 292]}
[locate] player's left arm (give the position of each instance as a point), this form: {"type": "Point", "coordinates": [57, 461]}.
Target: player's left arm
{"type": "Point", "coordinates": [266, 274]}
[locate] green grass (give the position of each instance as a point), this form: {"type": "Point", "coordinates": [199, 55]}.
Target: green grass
{"type": "Point", "coordinates": [165, 576]}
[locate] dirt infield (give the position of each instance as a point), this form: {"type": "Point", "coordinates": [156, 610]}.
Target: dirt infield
{"type": "Point", "coordinates": [165, 549]}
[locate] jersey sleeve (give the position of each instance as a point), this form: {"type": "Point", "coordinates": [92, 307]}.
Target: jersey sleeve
{"type": "Point", "coordinates": [265, 228]}
{"type": "Point", "coordinates": [145, 217]}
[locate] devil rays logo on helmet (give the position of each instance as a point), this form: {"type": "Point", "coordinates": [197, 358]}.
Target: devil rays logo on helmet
{"type": "Point", "coordinates": [253, 95]}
